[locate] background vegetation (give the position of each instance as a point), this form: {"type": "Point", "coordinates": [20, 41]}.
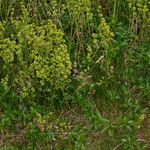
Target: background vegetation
{"type": "Point", "coordinates": [75, 74]}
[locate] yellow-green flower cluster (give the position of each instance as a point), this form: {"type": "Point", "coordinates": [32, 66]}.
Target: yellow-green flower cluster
{"type": "Point", "coordinates": [47, 123]}
{"type": "Point", "coordinates": [41, 122]}
{"type": "Point", "coordinates": [132, 7]}
{"type": "Point", "coordinates": [79, 9]}
{"type": "Point", "coordinates": [102, 42]}
{"type": "Point", "coordinates": [104, 37]}
{"type": "Point", "coordinates": [2, 29]}
{"type": "Point", "coordinates": [142, 6]}
{"type": "Point", "coordinates": [33, 56]}
{"type": "Point", "coordinates": [140, 14]}
{"type": "Point", "coordinates": [89, 53]}
{"type": "Point", "coordinates": [56, 9]}
{"type": "Point", "coordinates": [139, 7]}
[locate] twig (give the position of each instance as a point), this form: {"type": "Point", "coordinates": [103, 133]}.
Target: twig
{"type": "Point", "coordinates": [119, 145]}
{"type": "Point", "coordinates": [115, 121]}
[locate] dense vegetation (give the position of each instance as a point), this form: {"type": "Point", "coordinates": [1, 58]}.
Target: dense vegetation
{"type": "Point", "coordinates": [75, 74]}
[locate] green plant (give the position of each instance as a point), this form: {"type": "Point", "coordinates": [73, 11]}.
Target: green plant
{"type": "Point", "coordinates": [89, 58]}
{"type": "Point", "coordinates": [32, 55]}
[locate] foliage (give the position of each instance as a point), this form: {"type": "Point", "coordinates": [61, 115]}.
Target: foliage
{"type": "Point", "coordinates": [32, 55]}
{"type": "Point", "coordinates": [89, 55]}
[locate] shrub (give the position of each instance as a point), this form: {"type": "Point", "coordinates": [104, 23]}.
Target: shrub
{"type": "Point", "coordinates": [33, 56]}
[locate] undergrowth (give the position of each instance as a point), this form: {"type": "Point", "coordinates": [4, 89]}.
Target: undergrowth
{"type": "Point", "coordinates": [74, 74]}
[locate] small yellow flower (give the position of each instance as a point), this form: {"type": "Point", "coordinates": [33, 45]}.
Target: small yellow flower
{"type": "Point", "coordinates": [142, 117]}
{"type": "Point", "coordinates": [137, 126]}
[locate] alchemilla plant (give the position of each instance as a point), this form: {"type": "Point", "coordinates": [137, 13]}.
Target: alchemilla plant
{"type": "Point", "coordinates": [32, 55]}
{"type": "Point", "coordinates": [104, 102]}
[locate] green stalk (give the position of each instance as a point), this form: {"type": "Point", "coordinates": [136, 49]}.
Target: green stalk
{"type": "Point", "coordinates": [114, 11]}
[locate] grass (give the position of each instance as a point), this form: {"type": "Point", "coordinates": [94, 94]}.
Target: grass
{"type": "Point", "coordinates": [38, 127]}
